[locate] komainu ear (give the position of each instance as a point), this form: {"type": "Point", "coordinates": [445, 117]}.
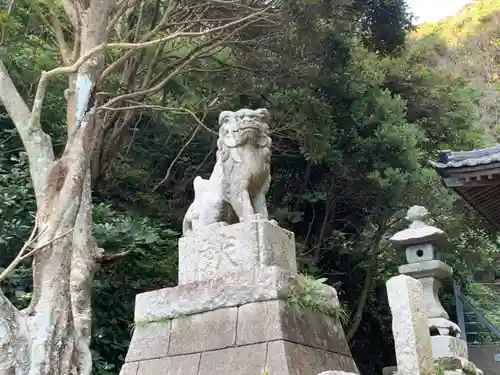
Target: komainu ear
{"type": "Point", "coordinates": [263, 113]}
{"type": "Point", "coordinates": [223, 115]}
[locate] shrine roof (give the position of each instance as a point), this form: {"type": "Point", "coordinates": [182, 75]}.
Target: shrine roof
{"type": "Point", "coordinates": [475, 175]}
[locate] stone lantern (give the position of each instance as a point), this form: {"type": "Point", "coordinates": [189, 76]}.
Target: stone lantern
{"type": "Point", "coordinates": [421, 243]}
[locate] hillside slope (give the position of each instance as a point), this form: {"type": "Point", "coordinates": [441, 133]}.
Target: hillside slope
{"type": "Point", "coordinates": [465, 23]}
{"type": "Point", "coordinates": [468, 44]}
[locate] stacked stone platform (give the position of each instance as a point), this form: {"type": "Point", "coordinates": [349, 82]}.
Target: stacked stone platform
{"type": "Point", "coordinates": [231, 312]}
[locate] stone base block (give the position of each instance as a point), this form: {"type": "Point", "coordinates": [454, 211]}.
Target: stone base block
{"type": "Point", "coordinates": [448, 347]}
{"type": "Point", "coordinates": [457, 366]}
{"type": "Point", "coordinates": [244, 340]}
{"type": "Point", "coordinates": [233, 289]}
{"type": "Point", "coordinates": [219, 249]}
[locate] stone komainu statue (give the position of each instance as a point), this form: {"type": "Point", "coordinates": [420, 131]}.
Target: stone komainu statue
{"type": "Point", "coordinates": [241, 177]}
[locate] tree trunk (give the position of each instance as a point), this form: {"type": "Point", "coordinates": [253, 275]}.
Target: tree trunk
{"type": "Point", "coordinates": [374, 250]}
{"type": "Point", "coordinates": [52, 335]}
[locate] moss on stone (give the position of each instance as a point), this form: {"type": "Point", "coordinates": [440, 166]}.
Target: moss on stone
{"type": "Point", "coordinates": [309, 293]}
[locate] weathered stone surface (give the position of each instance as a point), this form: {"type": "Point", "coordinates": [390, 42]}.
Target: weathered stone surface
{"type": "Point", "coordinates": [244, 360]}
{"type": "Point", "coordinates": [275, 320]}
{"type": "Point", "coordinates": [149, 341]}
{"type": "Point", "coordinates": [410, 327]}
{"type": "Point", "coordinates": [420, 253]}
{"type": "Point", "coordinates": [179, 365]}
{"type": "Point", "coordinates": [287, 358]}
{"type": "Point", "coordinates": [219, 249]}
{"type": "Point", "coordinates": [129, 368]}
{"type": "Point", "coordinates": [430, 268]}
{"type": "Point", "coordinates": [430, 274]}
{"type": "Point", "coordinates": [445, 327]}
{"type": "Point", "coordinates": [448, 347]}
{"type": "Point", "coordinates": [201, 332]}
{"type": "Point", "coordinates": [337, 373]}
{"type": "Point", "coordinates": [251, 341]}
{"type": "Point", "coordinates": [460, 365]}
{"type": "Point", "coordinates": [432, 303]}
{"type": "Point", "coordinates": [234, 289]}
{"type": "Point", "coordinates": [276, 246]}
{"type": "Point", "coordinates": [418, 232]}
{"type": "Point", "coordinates": [259, 322]}
{"type": "Point", "coordinates": [241, 176]}
{"type": "Point", "coordinates": [391, 370]}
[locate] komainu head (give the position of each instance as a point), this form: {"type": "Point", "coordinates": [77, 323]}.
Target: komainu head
{"type": "Point", "coordinates": [244, 127]}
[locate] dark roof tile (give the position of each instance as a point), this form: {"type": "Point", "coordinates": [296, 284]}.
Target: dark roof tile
{"type": "Point", "coordinates": [458, 159]}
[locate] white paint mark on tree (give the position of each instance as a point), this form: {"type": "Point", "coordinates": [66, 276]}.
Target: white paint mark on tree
{"type": "Point", "coordinates": [83, 89]}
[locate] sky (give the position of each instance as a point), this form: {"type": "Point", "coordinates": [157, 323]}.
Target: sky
{"type": "Point", "coordinates": [434, 10]}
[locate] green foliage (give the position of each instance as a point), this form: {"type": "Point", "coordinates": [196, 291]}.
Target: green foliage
{"type": "Point", "coordinates": [439, 368]}
{"type": "Point", "coordinates": [310, 293]}
{"type": "Point", "coordinates": [485, 299]}
{"type": "Point", "coordinates": [357, 114]}
{"type": "Point", "coordinates": [151, 264]}
{"type": "Point", "coordinates": [17, 205]}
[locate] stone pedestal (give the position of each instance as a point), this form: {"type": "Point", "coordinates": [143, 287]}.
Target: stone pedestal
{"type": "Point", "coordinates": [220, 248]}
{"type": "Point", "coordinates": [234, 315]}
{"type": "Point", "coordinates": [448, 347]}
{"type": "Point", "coordinates": [431, 273]}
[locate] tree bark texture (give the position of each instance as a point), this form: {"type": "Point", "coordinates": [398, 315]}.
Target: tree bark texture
{"type": "Point", "coordinates": [52, 335]}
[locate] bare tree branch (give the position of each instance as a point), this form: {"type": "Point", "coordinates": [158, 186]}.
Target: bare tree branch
{"type": "Point", "coordinates": [209, 45]}
{"type": "Point", "coordinates": [169, 170]}
{"type": "Point", "coordinates": [127, 4]}
{"type": "Point", "coordinates": [374, 250]}
{"type": "Point", "coordinates": [161, 108]}
{"type": "Point", "coordinates": [106, 259]}
{"type": "Point", "coordinates": [45, 76]}
{"type": "Point", "coordinates": [31, 240]}
{"type": "Point", "coordinates": [58, 32]}
{"type": "Point", "coordinates": [72, 12]}
{"type": "Point", "coordinates": [43, 246]}
{"type": "Point", "coordinates": [37, 144]}
{"type": "Point", "coordinates": [23, 255]}
{"type": "Point", "coordinates": [143, 43]}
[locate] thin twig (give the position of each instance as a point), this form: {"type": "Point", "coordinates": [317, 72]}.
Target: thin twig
{"type": "Point", "coordinates": [46, 244]}
{"type": "Point", "coordinates": [72, 12]}
{"type": "Point", "coordinates": [167, 175]}
{"type": "Point", "coordinates": [133, 136]}
{"type": "Point", "coordinates": [161, 108]}
{"type": "Point", "coordinates": [32, 239]}
{"type": "Point", "coordinates": [143, 43]}
{"type": "Point", "coordinates": [59, 34]}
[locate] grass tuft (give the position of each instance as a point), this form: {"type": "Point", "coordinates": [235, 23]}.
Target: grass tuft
{"type": "Point", "coordinates": [309, 293]}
